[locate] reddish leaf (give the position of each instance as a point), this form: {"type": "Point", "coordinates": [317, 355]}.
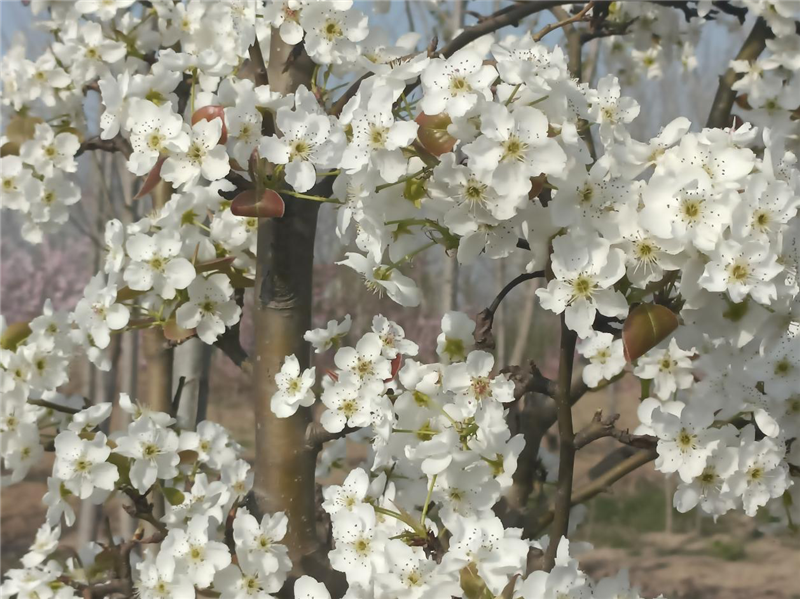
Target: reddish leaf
{"type": "Point", "coordinates": [433, 135]}
{"type": "Point", "coordinates": [646, 326]}
{"type": "Point", "coordinates": [209, 113]}
{"type": "Point", "coordinates": [173, 332]}
{"type": "Point", "coordinates": [153, 179]}
{"type": "Point", "coordinates": [270, 206]}
{"type": "Point", "coordinates": [396, 363]}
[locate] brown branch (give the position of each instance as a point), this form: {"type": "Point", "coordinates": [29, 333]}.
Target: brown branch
{"type": "Point", "coordinates": [498, 20]}
{"type": "Point", "coordinates": [338, 106]}
{"type": "Point", "coordinates": [317, 436]}
{"type": "Point", "coordinates": [564, 22]}
{"type": "Point", "coordinates": [43, 403]}
{"type": "Point", "coordinates": [484, 339]}
{"type": "Point", "coordinates": [566, 449]}
{"type": "Point", "coordinates": [600, 484]}
{"type": "Point", "coordinates": [753, 46]}
{"type": "Point", "coordinates": [118, 144]}
{"type": "Point", "coordinates": [601, 427]}
{"type": "Point", "coordinates": [529, 380]}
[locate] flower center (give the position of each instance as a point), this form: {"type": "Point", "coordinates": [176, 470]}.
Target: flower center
{"type": "Point", "coordinates": [686, 441]}
{"type": "Point", "coordinates": [332, 30]}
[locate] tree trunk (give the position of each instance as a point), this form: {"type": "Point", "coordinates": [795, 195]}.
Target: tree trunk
{"type": "Point", "coordinates": [284, 465]}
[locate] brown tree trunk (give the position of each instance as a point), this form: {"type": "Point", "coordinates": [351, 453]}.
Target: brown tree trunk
{"type": "Point", "coordinates": [284, 465]}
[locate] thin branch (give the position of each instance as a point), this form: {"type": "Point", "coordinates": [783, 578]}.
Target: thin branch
{"type": "Point", "coordinates": [118, 144]}
{"type": "Point", "coordinates": [338, 106]}
{"type": "Point", "coordinates": [43, 403]}
{"type": "Point", "coordinates": [600, 484]}
{"type": "Point", "coordinates": [566, 444]}
{"type": "Point", "coordinates": [498, 20]}
{"type": "Point", "coordinates": [317, 436]}
{"type": "Point", "coordinates": [485, 319]}
{"type": "Point", "coordinates": [564, 22]}
{"type": "Point", "coordinates": [753, 46]}
{"type": "Point", "coordinates": [601, 427]}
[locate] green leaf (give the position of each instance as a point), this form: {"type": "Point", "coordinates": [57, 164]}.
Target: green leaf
{"type": "Point", "coordinates": [14, 334]}
{"type": "Point", "coordinates": [173, 495]}
{"type": "Point", "coordinates": [647, 325]}
{"type": "Point", "coordinates": [123, 465]}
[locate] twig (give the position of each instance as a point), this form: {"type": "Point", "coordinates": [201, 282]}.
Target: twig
{"type": "Point", "coordinates": [317, 436]}
{"type": "Point", "coordinates": [753, 46]}
{"type": "Point", "coordinates": [601, 427]}
{"type": "Point", "coordinates": [497, 20]}
{"type": "Point", "coordinates": [118, 144]}
{"type": "Point", "coordinates": [484, 339]}
{"type": "Point", "coordinates": [573, 19]}
{"type": "Point", "coordinates": [600, 484]}
{"type": "Point", "coordinates": [43, 403]}
{"type": "Point", "coordinates": [566, 444]}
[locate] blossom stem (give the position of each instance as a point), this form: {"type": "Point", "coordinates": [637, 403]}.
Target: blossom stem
{"type": "Point", "coordinates": [403, 179]}
{"type": "Point", "coordinates": [427, 500]}
{"type": "Point", "coordinates": [513, 93]}
{"type": "Point", "coordinates": [194, 83]}
{"type": "Point", "coordinates": [304, 196]}
{"type": "Point", "coordinates": [410, 256]}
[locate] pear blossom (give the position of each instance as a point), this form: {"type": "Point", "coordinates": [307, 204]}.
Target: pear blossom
{"type": "Point", "coordinates": [606, 358]}
{"type": "Point", "coordinates": [153, 130]}
{"type": "Point", "coordinates": [584, 273]}
{"type": "Point", "coordinates": [81, 464]}
{"type": "Point", "coordinates": [210, 307]}
{"type": "Point", "coordinates": [154, 452]}
{"type": "Point", "coordinates": [294, 388]}
{"type": "Point", "coordinates": [203, 155]}
{"type": "Point", "coordinates": [670, 369]}
{"type": "Point", "coordinates": [197, 557]}
{"type": "Point", "coordinates": [455, 84]}
{"type": "Point", "coordinates": [156, 264]}
{"type": "Point", "coordinates": [330, 336]}
{"type": "Point", "coordinates": [47, 151]}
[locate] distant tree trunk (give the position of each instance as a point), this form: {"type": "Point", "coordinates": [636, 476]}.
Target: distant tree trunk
{"type": "Point", "coordinates": [188, 363]}
{"type": "Point", "coordinates": [524, 325]}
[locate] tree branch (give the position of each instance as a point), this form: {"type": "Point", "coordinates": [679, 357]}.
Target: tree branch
{"type": "Point", "coordinates": [485, 319]}
{"type": "Point", "coordinates": [753, 46]}
{"type": "Point", "coordinates": [317, 436]}
{"type": "Point", "coordinates": [566, 449]}
{"type": "Point", "coordinates": [498, 20]}
{"type": "Point", "coordinates": [530, 380]}
{"type": "Point", "coordinates": [118, 144]}
{"type": "Point", "coordinates": [601, 427]}
{"type": "Point", "coordinates": [564, 22]}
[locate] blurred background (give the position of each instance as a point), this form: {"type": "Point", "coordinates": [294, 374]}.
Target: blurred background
{"type": "Point", "coordinates": [633, 524]}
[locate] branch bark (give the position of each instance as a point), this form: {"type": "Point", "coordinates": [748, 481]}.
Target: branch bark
{"type": "Point", "coordinates": [484, 339]}
{"type": "Point", "coordinates": [753, 46]}
{"type": "Point", "coordinates": [566, 442]}
{"type": "Point", "coordinates": [601, 483]}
